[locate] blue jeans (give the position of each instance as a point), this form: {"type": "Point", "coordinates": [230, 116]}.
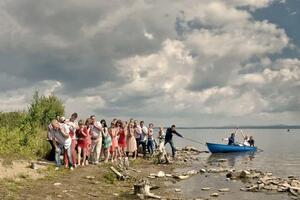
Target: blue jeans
{"type": "Point", "coordinates": [58, 153]}
{"type": "Point", "coordinates": [172, 147]}
{"type": "Point", "coordinates": [150, 146]}
{"type": "Point", "coordinates": [143, 143]}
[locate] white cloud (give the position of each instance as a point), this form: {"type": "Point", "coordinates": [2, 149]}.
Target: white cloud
{"type": "Point", "coordinates": [149, 36]}
{"type": "Point", "coordinates": [18, 99]}
{"type": "Point", "coordinates": [168, 60]}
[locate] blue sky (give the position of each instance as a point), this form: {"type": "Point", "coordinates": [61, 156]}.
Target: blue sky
{"type": "Point", "coordinates": [192, 63]}
{"type": "Point", "coordinates": [286, 15]}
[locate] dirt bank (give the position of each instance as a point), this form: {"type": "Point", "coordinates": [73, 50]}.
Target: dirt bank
{"type": "Point", "coordinates": [91, 182]}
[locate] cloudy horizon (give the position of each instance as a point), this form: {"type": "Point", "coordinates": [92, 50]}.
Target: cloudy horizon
{"type": "Point", "coordinates": [193, 63]}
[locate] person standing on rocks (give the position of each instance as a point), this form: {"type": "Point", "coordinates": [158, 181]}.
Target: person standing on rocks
{"type": "Point", "coordinates": [169, 138]}
{"type": "Point", "coordinates": [161, 145]}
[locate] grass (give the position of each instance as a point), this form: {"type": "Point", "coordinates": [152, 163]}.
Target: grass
{"type": "Point", "coordinates": [23, 176]}
{"type": "Point", "coordinates": [9, 188]}
{"type": "Point", "coordinates": [16, 145]}
{"type": "Point", "coordinates": [109, 177]}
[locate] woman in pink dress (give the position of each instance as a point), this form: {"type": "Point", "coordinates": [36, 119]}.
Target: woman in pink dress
{"type": "Point", "coordinates": [88, 140]}
{"type": "Point", "coordinates": [131, 142]}
{"type": "Point", "coordinates": [114, 141]}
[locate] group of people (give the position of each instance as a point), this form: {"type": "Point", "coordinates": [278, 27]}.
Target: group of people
{"type": "Point", "coordinates": [248, 141]}
{"type": "Point", "coordinates": [83, 142]}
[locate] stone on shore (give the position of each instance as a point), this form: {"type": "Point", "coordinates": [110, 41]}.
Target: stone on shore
{"type": "Point", "coordinates": [177, 190]}
{"type": "Point", "coordinates": [214, 195]}
{"type": "Point", "coordinates": [90, 177]}
{"type": "Point", "coordinates": [244, 174]}
{"type": "Point", "coordinates": [161, 174]}
{"type": "Point", "coordinates": [181, 177]}
{"type": "Point", "coordinates": [224, 190]}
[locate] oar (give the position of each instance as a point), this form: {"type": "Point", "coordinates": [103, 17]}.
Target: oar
{"type": "Point", "coordinates": [261, 150]}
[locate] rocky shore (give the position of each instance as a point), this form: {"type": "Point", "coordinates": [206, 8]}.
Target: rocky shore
{"type": "Point", "coordinates": [146, 179]}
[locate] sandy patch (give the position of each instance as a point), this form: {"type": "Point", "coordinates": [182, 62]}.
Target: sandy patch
{"type": "Point", "coordinates": [18, 169]}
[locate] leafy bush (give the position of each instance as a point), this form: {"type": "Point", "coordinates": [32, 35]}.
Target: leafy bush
{"type": "Point", "coordinates": [11, 120]}
{"type": "Point", "coordinates": [23, 134]}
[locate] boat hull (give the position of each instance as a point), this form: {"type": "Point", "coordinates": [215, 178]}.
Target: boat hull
{"type": "Point", "coordinates": [222, 148]}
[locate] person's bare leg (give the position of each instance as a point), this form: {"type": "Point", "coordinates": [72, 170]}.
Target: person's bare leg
{"type": "Point", "coordinates": [79, 156]}
{"type": "Point", "coordinates": [113, 155]}
{"type": "Point", "coordinates": [84, 157]}
{"type": "Point", "coordinates": [106, 155]}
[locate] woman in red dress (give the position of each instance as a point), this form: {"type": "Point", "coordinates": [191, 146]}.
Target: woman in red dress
{"type": "Point", "coordinates": [122, 137]}
{"type": "Point", "coordinates": [82, 134]}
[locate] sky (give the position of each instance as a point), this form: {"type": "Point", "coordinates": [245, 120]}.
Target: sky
{"type": "Point", "coordinates": [190, 63]}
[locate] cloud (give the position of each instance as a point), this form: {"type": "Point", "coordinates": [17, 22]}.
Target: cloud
{"type": "Point", "coordinates": [149, 36]}
{"type": "Point", "coordinates": [162, 61]}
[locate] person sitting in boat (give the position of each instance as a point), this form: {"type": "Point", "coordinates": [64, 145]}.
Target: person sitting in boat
{"type": "Point", "coordinates": [251, 141]}
{"type": "Point", "coordinates": [246, 141]}
{"type": "Point", "coordinates": [231, 139]}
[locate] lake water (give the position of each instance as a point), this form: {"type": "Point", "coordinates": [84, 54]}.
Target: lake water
{"type": "Point", "coordinates": [281, 156]}
{"type": "Point", "coordinates": [281, 148]}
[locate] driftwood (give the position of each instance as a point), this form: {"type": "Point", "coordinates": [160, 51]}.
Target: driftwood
{"type": "Point", "coordinates": [142, 190]}
{"type": "Point", "coordinates": [119, 175]}
{"type": "Point", "coordinates": [135, 170]}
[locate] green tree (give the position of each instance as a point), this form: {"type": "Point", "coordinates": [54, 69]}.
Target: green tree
{"type": "Point", "coordinates": [23, 134]}
{"type": "Point", "coordinates": [43, 109]}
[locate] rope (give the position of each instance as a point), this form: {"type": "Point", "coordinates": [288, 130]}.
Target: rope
{"type": "Point", "coordinates": [195, 141]}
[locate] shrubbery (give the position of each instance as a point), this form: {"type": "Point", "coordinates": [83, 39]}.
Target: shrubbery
{"type": "Point", "coordinates": [23, 134]}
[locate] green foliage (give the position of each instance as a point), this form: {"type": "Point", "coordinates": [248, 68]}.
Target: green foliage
{"type": "Point", "coordinates": [11, 120]}
{"type": "Point", "coordinates": [43, 109]}
{"type": "Point", "coordinates": [23, 134]}
{"type": "Point", "coordinates": [109, 177]}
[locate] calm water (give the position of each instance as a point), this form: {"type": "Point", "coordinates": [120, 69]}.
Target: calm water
{"type": "Point", "coordinates": [281, 148]}
{"type": "Point", "coordinates": [281, 156]}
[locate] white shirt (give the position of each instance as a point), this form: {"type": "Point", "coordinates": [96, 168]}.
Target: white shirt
{"type": "Point", "coordinates": [144, 133]}
{"type": "Point", "coordinates": [95, 131]}
{"type": "Point", "coordinates": [60, 139]}
{"type": "Point", "coordinates": [246, 143]}
{"type": "Point", "coordinates": [72, 126]}
{"type": "Point", "coordinates": [138, 131]}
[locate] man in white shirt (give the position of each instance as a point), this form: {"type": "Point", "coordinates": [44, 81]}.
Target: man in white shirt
{"type": "Point", "coordinates": [73, 125]}
{"type": "Point", "coordinates": [61, 141]}
{"type": "Point", "coordinates": [96, 136]}
{"type": "Point", "coordinates": [144, 135]}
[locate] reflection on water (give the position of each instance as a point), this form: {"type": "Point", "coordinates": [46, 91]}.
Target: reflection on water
{"type": "Point", "coordinates": [232, 159]}
{"type": "Point", "coordinates": [280, 147]}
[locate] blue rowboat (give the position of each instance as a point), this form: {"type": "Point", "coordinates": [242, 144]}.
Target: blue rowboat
{"type": "Point", "coordinates": [223, 148]}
